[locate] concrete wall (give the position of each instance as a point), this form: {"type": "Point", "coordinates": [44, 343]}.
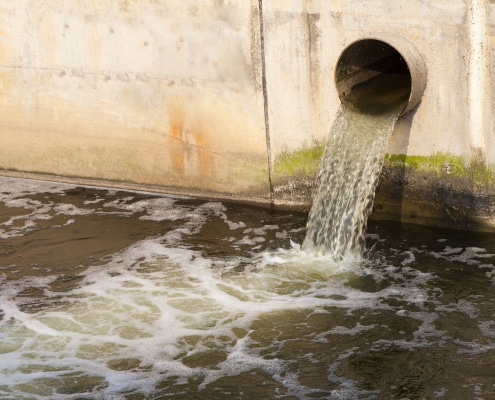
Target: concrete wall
{"type": "Point", "coordinates": [151, 92]}
{"type": "Point", "coordinates": [306, 38]}
{"type": "Point", "coordinates": [231, 97]}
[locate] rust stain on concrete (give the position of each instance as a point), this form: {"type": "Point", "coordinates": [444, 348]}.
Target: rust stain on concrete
{"type": "Point", "coordinates": [176, 150]}
{"type": "Point", "coordinates": [189, 145]}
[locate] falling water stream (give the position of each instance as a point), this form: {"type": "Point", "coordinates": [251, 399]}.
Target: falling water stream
{"type": "Point", "coordinates": [347, 179]}
{"type": "Point", "coordinates": [353, 159]}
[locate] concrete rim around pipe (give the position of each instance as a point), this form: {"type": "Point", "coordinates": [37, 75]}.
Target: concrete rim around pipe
{"type": "Point", "coordinates": [359, 63]}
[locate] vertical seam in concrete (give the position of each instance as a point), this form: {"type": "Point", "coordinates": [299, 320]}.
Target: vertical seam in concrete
{"type": "Point", "coordinates": [265, 99]}
{"type": "Point", "coordinates": [477, 32]}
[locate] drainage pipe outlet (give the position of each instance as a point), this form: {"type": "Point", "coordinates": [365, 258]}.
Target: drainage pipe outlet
{"type": "Point", "coordinates": [381, 74]}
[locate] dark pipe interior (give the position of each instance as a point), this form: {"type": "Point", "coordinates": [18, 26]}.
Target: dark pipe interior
{"type": "Point", "coordinates": [372, 77]}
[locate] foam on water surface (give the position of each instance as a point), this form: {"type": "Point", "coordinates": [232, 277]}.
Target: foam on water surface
{"type": "Point", "coordinates": [203, 301]}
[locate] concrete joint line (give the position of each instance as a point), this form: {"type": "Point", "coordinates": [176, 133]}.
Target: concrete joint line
{"type": "Point", "coordinates": [265, 99]}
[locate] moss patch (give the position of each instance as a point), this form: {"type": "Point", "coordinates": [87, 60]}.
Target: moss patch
{"type": "Point", "coordinates": [305, 162]}
{"type": "Point", "coordinates": [444, 164]}
{"type": "Point", "coordinates": [299, 163]}
{"type": "Point", "coordinates": [438, 164]}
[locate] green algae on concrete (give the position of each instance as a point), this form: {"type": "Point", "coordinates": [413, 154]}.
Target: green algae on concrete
{"type": "Point", "coordinates": [294, 176]}
{"type": "Point", "coordinates": [304, 163]}
{"type": "Point", "coordinates": [442, 190]}
{"type": "Point", "coordinates": [299, 163]}
{"type": "Point", "coordinates": [444, 164]}
{"type": "Point", "coordinates": [437, 164]}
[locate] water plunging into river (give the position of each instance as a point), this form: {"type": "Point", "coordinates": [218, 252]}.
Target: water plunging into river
{"type": "Point", "coordinates": [116, 295]}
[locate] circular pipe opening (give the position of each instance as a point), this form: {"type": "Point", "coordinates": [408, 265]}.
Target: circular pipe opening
{"type": "Point", "coordinates": [373, 77]}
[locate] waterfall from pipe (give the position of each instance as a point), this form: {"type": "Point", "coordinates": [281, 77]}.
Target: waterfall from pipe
{"type": "Point", "coordinates": [347, 178]}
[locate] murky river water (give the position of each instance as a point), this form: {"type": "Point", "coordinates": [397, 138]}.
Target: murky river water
{"type": "Point", "coordinates": [117, 295]}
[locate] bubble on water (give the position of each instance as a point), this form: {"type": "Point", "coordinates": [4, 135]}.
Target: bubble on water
{"type": "Point", "coordinates": [14, 187]}
{"type": "Point", "coordinates": [158, 209]}
{"type": "Point", "coordinates": [235, 225]}
{"type": "Point", "coordinates": [150, 296]}
{"type": "Point", "coordinates": [468, 256]}
{"type": "Point", "coordinates": [248, 241]}
{"type": "Point", "coordinates": [441, 392]}
{"type": "Point", "coordinates": [409, 257]}
{"type": "Point", "coordinates": [71, 209]}
{"type": "Point", "coordinates": [40, 212]}
{"type": "Point", "coordinates": [487, 329]}
{"type": "Point", "coordinates": [358, 328]}
{"type": "Point", "coordinates": [461, 306]}
{"type": "Point", "coordinates": [473, 348]}
{"type": "Point", "coordinates": [349, 389]}
{"type": "Point", "coordinates": [95, 201]}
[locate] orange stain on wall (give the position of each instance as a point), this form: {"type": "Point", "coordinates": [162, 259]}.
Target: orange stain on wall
{"type": "Point", "coordinates": [203, 153]}
{"type": "Point", "coordinates": [189, 147]}
{"type": "Point", "coordinates": [176, 146]}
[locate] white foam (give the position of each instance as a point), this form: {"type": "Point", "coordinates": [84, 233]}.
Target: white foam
{"type": "Point", "coordinates": [248, 241]}
{"type": "Point", "coordinates": [461, 306]}
{"type": "Point", "coordinates": [71, 209]}
{"type": "Point", "coordinates": [150, 296]}
{"type": "Point", "coordinates": [235, 225]}
{"type": "Point", "coordinates": [441, 392]}
{"type": "Point", "coordinates": [487, 329]}
{"type": "Point", "coordinates": [468, 256]}
{"type": "Point", "coordinates": [410, 258]}
{"type": "Point", "coordinates": [473, 348]}
{"type": "Point", "coordinates": [14, 187]}
{"type": "Point", "coordinates": [95, 201]}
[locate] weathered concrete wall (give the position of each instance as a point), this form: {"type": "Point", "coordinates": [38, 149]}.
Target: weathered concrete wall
{"type": "Point", "coordinates": [231, 97]}
{"type": "Point", "coordinates": [151, 92]}
{"type": "Point", "coordinates": [321, 31]}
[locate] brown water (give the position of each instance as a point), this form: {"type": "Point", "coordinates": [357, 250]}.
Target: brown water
{"type": "Point", "coordinates": [116, 295]}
